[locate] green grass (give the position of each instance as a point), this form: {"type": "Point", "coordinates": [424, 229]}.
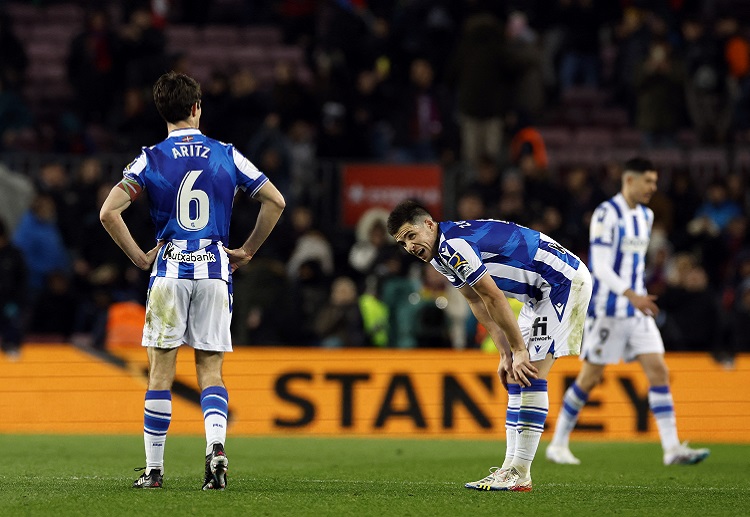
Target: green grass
{"type": "Point", "coordinates": [91, 475]}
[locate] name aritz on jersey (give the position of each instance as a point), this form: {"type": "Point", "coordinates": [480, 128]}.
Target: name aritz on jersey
{"type": "Point", "coordinates": [192, 150]}
{"type": "Point", "coordinates": [171, 252]}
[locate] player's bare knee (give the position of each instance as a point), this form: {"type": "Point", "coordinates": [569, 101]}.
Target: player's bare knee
{"type": "Point", "coordinates": [658, 375]}
{"type": "Point", "coordinates": [159, 382]}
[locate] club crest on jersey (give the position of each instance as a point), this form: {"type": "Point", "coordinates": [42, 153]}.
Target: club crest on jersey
{"type": "Point", "coordinates": [171, 252]}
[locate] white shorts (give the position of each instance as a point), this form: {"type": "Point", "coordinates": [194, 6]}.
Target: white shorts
{"type": "Point", "coordinates": [181, 311]}
{"type": "Point", "coordinates": [609, 340]}
{"type": "Point", "coordinates": [545, 332]}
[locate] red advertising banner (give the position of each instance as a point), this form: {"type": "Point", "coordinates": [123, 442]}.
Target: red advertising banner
{"type": "Point", "coordinates": [366, 186]}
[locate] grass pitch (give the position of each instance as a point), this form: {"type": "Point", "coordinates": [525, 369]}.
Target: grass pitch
{"type": "Point", "coordinates": [91, 475]}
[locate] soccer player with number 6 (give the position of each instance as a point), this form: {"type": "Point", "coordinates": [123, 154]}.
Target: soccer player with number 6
{"type": "Point", "coordinates": [191, 181]}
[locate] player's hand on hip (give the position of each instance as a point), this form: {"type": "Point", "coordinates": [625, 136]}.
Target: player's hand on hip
{"type": "Point", "coordinates": [151, 256]}
{"type": "Point", "coordinates": [237, 258]}
{"type": "Point", "coordinates": [523, 370]}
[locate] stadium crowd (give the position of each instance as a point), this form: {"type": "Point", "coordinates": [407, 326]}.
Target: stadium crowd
{"type": "Point", "coordinates": [466, 84]}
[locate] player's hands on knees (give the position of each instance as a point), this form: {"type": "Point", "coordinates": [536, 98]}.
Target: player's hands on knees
{"type": "Point", "coordinates": [505, 369]}
{"type": "Point", "coordinates": [523, 370]}
{"type": "Point", "coordinates": [237, 258]}
{"type": "Point", "coordinates": [151, 256]}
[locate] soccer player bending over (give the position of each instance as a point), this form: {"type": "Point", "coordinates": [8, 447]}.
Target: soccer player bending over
{"type": "Point", "coordinates": [191, 180]}
{"type": "Point", "coordinates": [488, 260]}
{"type": "Point", "coordinates": [621, 316]}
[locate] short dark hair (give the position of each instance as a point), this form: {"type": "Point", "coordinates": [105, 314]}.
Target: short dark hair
{"type": "Point", "coordinates": [405, 212]}
{"type": "Point", "coordinates": [639, 165]}
{"type": "Point", "coordinates": [174, 96]}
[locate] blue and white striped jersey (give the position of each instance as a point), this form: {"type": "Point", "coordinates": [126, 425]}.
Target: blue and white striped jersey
{"type": "Point", "coordinates": [624, 232]}
{"type": "Point", "coordinates": [191, 182]}
{"type": "Point", "coordinates": [525, 264]}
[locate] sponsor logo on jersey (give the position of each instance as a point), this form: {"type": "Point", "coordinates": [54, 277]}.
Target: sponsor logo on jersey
{"type": "Point", "coordinates": [171, 252]}
{"type": "Point", "coordinates": [460, 264]}
{"type": "Point", "coordinates": [634, 244]}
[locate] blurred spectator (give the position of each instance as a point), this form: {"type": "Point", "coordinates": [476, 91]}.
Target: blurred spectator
{"type": "Point", "coordinates": [369, 109]}
{"type": "Point", "coordinates": [262, 304]}
{"type": "Point", "coordinates": [479, 69]}
{"type": "Point", "coordinates": [16, 194]}
{"type": "Point", "coordinates": [269, 149]}
{"type": "Point", "coordinates": [142, 47]}
{"type": "Point", "coordinates": [54, 181]}
{"type": "Point", "coordinates": [540, 190]}
{"type": "Point", "coordinates": [579, 54]}
{"type": "Point", "coordinates": [71, 135]}
{"type": "Point", "coordinates": [310, 246]}
{"type": "Point", "coordinates": [305, 187]}
{"type": "Point", "coordinates": [13, 273]}
{"type": "Point", "coordinates": [685, 203]}
{"type": "Point", "coordinates": [94, 67]}
{"type": "Point", "coordinates": [309, 289]}
{"type": "Point", "coordinates": [523, 44]}
{"type": "Point", "coordinates": [16, 118]}
{"type": "Point", "coordinates": [736, 50]}
{"type": "Point", "coordinates": [99, 269]}
{"type": "Point", "coordinates": [216, 94]}
{"type": "Point", "coordinates": [706, 90]}
{"type": "Point", "coordinates": [657, 261]}
{"type": "Point", "coordinates": [54, 312]}
{"type": "Point", "coordinates": [40, 241]}
{"type": "Point", "coordinates": [339, 322]}
{"type": "Point", "coordinates": [632, 39]}
{"type": "Point", "coordinates": [659, 93]}
{"type": "Point", "coordinates": [511, 205]}
{"type": "Point", "coordinates": [83, 196]}
{"type": "Point", "coordinates": [469, 206]}
{"type": "Point", "coordinates": [440, 312]}
{"type": "Point", "coordinates": [487, 183]}
{"type": "Point", "coordinates": [373, 243]}
{"type": "Point", "coordinates": [691, 318]}
{"type": "Point", "coordinates": [525, 139]}
{"type": "Point", "coordinates": [419, 116]}
{"type": "Point", "coordinates": [290, 98]}
{"type": "Point", "coordinates": [581, 195]}
{"type": "Point", "coordinates": [717, 209]}
{"type": "Point", "coordinates": [13, 58]}
{"type": "Point", "coordinates": [248, 99]}
{"type": "Point", "coordinates": [137, 121]}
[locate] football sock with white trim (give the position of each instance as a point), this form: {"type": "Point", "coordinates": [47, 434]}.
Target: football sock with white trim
{"type": "Point", "coordinates": [531, 417]}
{"type": "Point", "coordinates": [662, 406]}
{"type": "Point", "coordinates": [215, 406]}
{"type": "Point", "coordinates": [511, 421]}
{"type": "Point", "coordinates": [573, 401]}
{"type": "Point", "coordinates": [157, 415]}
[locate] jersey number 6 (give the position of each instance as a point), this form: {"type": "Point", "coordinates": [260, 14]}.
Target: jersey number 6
{"type": "Point", "coordinates": [192, 201]}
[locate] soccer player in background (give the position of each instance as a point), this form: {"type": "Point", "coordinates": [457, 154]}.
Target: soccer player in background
{"type": "Point", "coordinates": [621, 315]}
{"type": "Point", "coordinates": [488, 260]}
{"type": "Point", "coordinates": [191, 181]}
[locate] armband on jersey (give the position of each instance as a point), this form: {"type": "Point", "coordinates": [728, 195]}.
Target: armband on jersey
{"type": "Point", "coordinates": [131, 188]}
